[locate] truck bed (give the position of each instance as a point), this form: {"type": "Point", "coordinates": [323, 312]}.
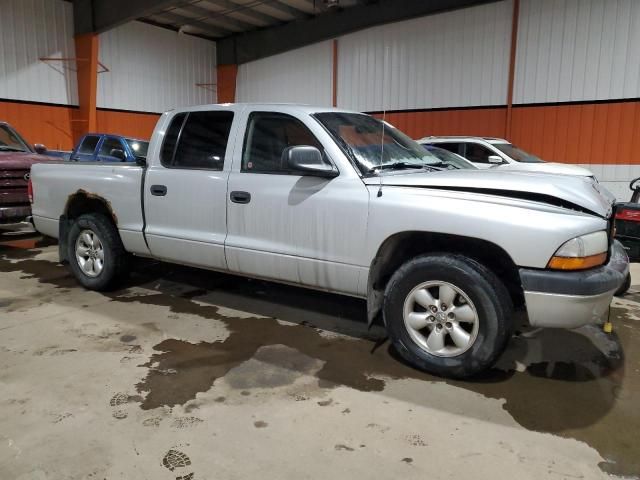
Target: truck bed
{"type": "Point", "coordinates": [55, 183]}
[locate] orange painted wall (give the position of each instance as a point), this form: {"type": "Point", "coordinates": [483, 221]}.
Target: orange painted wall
{"type": "Point", "coordinates": [49, 125]}
{"type": "Point", "coordinates": [477, 122]}
{"type": "Point", "coordinates": [137, 125]}
{"type": "Point", "coordinates": [596, 133]}
{"type": "Point", "coordinates": [53, 125]}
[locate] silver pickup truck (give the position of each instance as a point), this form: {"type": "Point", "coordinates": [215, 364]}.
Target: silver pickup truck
{"type": "Point", "coordinates": [339, 201]}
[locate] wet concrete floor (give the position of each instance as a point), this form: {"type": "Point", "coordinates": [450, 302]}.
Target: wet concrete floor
{"type": "Point", "coordinates": [190, 374]}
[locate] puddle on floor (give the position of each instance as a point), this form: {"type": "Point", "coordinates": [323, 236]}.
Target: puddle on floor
{"type": "Point", "coordinates": [576, 384]}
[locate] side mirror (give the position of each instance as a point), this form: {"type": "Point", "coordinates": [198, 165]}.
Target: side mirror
{"type": "Point", "coordinates": [118, 153]}
{"type": "Point", "coordinates": [40, 148]}
{"type": "Point", "coordinates": [495, 159]}
{"type": "Point", "coordinates": [309, 161]}
{"type": "Point", "coordinates": [141, 161]}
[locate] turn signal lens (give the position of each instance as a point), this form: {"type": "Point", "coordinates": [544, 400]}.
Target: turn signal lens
{"type": "Point", "coordinates": [582, 252]}
{"type": "Point", "coordinates": [577, 263]}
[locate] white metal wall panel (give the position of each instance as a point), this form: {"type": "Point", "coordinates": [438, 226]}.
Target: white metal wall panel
{"type": "Point", "coordinates": [303, 75]}
{"type": "Point", "coordinates": [154, 69]}
{"type": "Point", "coordinates": [452, 59]}
{"type": "Point", "coordinates": [30, 29]}
{"type": "Point", "coordinates": [572, 50]}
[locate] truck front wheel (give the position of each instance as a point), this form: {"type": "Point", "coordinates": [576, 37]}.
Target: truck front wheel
{"type": "Point", "coordinates": [448, 314]}
{"type": "Point", "coordinates": [96, 255]}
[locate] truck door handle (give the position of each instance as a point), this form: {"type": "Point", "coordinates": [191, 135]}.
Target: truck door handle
{"type": "Point", "coordinates": [240, 197]}
{"type": "Point", "coordinates": [159, 190]}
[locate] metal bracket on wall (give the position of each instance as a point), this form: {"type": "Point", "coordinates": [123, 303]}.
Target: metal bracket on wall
{"type": "Point", "coordinates": [102, 68]}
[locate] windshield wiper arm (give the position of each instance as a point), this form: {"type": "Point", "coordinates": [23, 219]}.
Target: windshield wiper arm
{"type": "Point", "coordinates": [398, 166]}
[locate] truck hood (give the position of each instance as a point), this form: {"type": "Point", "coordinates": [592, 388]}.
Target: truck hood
{"type": "Point", "coordinates": [572, 192]}
{"type": "Point", "coordinates": [21, 160]}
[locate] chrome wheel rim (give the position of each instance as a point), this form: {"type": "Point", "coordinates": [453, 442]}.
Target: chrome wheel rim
{"type": "Point", "coordinates": [89, 253]}
{"type": "Point", "coordinates": [441, 319]}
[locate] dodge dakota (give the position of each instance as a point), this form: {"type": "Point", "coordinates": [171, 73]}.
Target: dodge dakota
{"type": "Point", "coordinates": [342, 202]}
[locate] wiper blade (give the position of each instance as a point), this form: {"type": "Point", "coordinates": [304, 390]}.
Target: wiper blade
{"type": "Point", "coordinates": [398, 166]}
{"type": "Point", "coordinates": [6, 148]}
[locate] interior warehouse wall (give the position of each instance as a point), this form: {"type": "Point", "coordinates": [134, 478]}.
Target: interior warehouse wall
{"type": "Point", "coordinates": [577, 86]}
{"type": "Point", "coordinates": [150, 70]}
{"type": "Point", "coordinates": [303, 75]}
{"type": "Point", "coordinates": [38, 97]}
{"type": "Point", "coordinates": [154, 69]}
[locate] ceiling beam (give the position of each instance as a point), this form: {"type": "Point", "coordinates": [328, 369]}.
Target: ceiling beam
{"type": "Point", "coordinates": [249, 46]}
{"type": "Point", "coordinates": [219, 18]}
{"type": "Point", "coordinates": [180, 21]}
{"type": "Point", "coordinates": [230, 8]}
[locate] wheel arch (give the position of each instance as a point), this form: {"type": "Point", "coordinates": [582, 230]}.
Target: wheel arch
{"type": "Point", "coordinates": [80, 203]}
{"type": "Point", "coordinates": [401, 247]}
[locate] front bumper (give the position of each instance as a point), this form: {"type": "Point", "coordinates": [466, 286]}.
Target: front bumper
{"type": "Point", "coordinates": [14, 214]}
{"type": "Point", "coordinates": [572, 299]}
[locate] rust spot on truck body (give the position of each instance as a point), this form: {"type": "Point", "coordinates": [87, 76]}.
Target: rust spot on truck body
{"type": "Point", "coordinates": [72, 198]}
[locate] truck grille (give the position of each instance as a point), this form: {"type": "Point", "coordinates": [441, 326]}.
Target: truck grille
{"type": "Point", "coordinates": [13, 187]}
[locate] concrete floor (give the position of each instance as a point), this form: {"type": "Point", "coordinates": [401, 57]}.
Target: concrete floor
{"type": "Point", "coordinates": [187, 374]}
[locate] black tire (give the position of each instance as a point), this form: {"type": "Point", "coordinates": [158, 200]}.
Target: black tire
{"type": "Point", "coordinates": [625, 286]}
{"type": "Point", "coordinates": [487, 293]}
{"type": "Point", "coordinates": [115, 257]}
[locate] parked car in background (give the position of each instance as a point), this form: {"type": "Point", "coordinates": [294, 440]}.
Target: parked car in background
{"type": "Point", "coordinates": [449, 160]}
{"type": "Point", "coordinates": [338, 201]}
{"type": "Point", "coordinates": [16, 159]}
{"type": "Point", "coordinates": [487, 152]}
{"type": "Point", "coordinates": [628, 222]}
{"type": "Point", "coordinates": [101, 147]}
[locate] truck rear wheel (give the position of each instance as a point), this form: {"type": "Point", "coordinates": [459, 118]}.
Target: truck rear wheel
{"type": "Point", "coordinates": [448, 314]}
{"type": "Point", "coordinates": [96, 254]}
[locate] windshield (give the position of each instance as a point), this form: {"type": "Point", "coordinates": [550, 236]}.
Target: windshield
{"type": "Point", "coordinates": [360, 136]}
{"type": "Point", "coordinates": [449, 160]}
{"type": "Point", "coordinates": [138, 147]}
{"type": "Point", "coordinates": [10, 141]}
{"type": "Point", "coordinates": [516, 153]}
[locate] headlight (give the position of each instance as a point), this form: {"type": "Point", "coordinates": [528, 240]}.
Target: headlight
{"type": "Point", "coordinates": [581, 252]}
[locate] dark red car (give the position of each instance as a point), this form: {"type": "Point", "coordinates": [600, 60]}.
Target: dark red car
{"type": "Point", "coordinates": [16, 158]}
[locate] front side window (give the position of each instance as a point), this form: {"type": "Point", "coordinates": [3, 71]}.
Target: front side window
{"type": "Point", "coordinates": [268, 134]}
{"type": "Point", "coordinates": [171, 139]}
{"type": "Point", "coordinates": [109, 144]}
{"type": "Point", "coordinates": [516, 153]}
{"type": "Point", "coordinates": [89, 144]}
{"type": "Point", "coordinates": [476, 153]}
{"type": "Point", "coordinates": [197, 140]}
{"type": "Point", "coordinates": [374, 145]}
{"type": "Point", "coordinates": [10, 141]}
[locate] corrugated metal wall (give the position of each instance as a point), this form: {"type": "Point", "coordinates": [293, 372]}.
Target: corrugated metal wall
{"type": "Point", "coordinates": [453, 59]}
{"type": "Point", "coordinates": [154, 70]}
{"type": "Point", "coordinates": [299, 76]}
{"type": "Point", "coordinates": [30, 29]}
{"type": "Point", "coordinates": [571, 50]}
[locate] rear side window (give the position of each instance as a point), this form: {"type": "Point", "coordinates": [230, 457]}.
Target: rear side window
{"type": "Point", "coordinates": [109, 144]}
{"type": "Point", "coordinates": [268, 134]}
{"type": "Point", "coordinates": [89, 144]}
{"type": "Point", "coordinates": [198, 141]}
